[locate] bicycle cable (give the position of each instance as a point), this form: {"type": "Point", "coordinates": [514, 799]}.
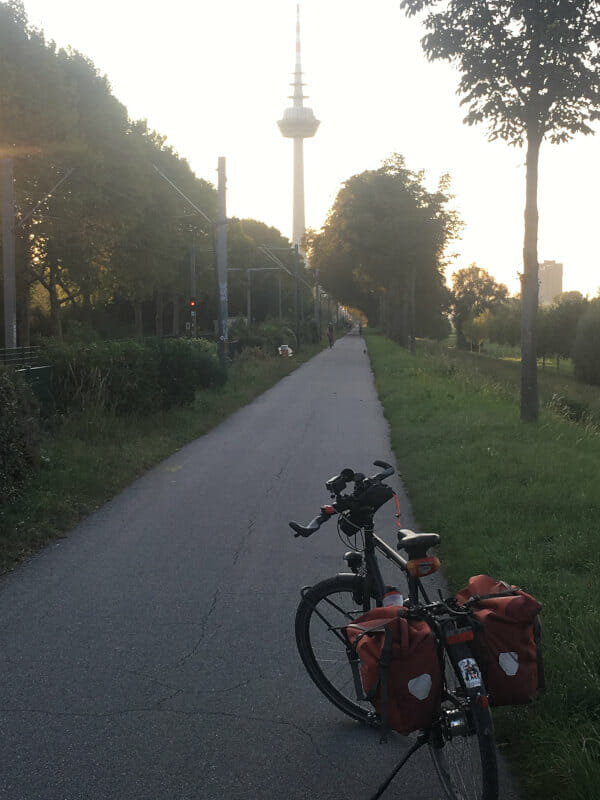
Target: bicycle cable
{"type": "Point", "coordinates": [345, 538]}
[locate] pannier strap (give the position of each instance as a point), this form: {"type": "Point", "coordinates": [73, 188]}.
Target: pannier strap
{"type": "Point", "coordinates": [384, 670]}
{"type": "Point", "coordinates": [476, 598]}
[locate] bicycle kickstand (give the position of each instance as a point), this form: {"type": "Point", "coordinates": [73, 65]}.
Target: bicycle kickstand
{"type": "Point", "coordinates": [422, 739]}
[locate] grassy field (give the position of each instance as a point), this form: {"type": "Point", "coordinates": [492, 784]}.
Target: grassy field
{"type": "Point", "coordinates": [521, 503]}
{"type": "Point", "coordinates": [558, 388]}
{"type": "Point", "coordinates": [86, 459]}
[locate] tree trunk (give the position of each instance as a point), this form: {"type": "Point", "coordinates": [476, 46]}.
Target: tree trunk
{"type": "Point", "coordinates": [86, 306]}
{"type": "Point", "coordinates": [23, 311]}
{"type": "Point", "coordinates": [413, 315]}
{"type": "Point", "coordinates": [529, 284]}
{"type": "Point", "coordinates": [55, 320]}
{"type": "Point", "coordinates": [139, 325]}
{"type": "Point", "coordinates": [396, 314]}
{"type": "Point", "coordinates": [158, 313]}
{"type": "Point", "coordinates": [175, 328]}
{"type": "Point", "coordinates": [382, 300]}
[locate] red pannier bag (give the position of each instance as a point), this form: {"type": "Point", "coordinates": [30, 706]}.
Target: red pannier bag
{"type": "Point", "coordinates": [507, 644]}
{"type": "Point", "coordinates": [400, 668]}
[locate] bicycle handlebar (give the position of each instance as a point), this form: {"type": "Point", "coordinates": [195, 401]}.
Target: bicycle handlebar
{"type": "Point", "coordinates": [336, 485]}
{"type": "Point", "coordinates": [387, 471]}
{"type": "Point", "coordinates": [312, 526]}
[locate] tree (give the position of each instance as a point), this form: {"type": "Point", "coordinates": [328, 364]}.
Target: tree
{"type": "Point", "coordinates": [504, 323]}
{"type": "Point", "coordinates": [530, 68]}
{"type": "Point", "coordinates": [475, 330]}
{"type": "Point", "coordinates": [381, 249]}
{"type": "Point", "coordinates": [474, 291]}
{"type": "Point", "coordinates": [563, 318]}
{"type": "Point", "coordinates": [586, 350]}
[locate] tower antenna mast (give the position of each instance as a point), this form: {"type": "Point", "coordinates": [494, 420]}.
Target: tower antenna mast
{"type": "Point", "coordinates": [298, 123]}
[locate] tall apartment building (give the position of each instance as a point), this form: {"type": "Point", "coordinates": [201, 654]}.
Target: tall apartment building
{"type": "Point", "coordinates": [550, 276]}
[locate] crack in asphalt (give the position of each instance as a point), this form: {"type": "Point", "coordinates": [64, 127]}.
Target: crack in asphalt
{"type": "Point", "coordinates": [204, 622]}
{"type": "Point", "coordinates": [246, 535]}
{"type": "Point", "coordinates": [251, 718]}
{"type": "Point", "coordinates": [156, 708]}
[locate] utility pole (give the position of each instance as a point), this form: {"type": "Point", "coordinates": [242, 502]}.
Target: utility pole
{"type": "Point", "coordinates": [317, 302]}
{"type": "Point", "coordinates": [249, 296]}
{"type": "Point", "coordinates": [222, 255]}
{"type": "Point", "coordinates": [8, 255]}
{"type": "Point", "coordinates": [219, 237]}
{"type": "Point", "coordinates": [193, 283]}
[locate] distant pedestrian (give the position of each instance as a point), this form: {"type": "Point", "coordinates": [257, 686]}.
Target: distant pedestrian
{"type": "Point", "coordinates": [330, 334]}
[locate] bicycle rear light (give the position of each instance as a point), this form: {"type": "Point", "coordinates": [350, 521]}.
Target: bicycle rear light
{"type": "Point", "coordinates": [420, 567]}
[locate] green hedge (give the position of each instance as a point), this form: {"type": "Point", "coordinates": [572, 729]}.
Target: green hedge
{"type": "Point", "coordinates": [19, 434]}
{"type": "Point", "coordinates": [271, 333]}
{"type": "Point", "coordinates": [129, 376]}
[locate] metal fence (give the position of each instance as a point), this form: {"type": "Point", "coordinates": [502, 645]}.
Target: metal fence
{"type": "Point", "coordinates": [19, 356]}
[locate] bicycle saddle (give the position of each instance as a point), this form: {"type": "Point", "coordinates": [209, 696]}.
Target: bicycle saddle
{"type": "Point", "coordinates": [411, 541]}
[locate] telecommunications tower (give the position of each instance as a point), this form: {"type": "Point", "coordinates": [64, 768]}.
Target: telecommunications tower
{"type": "Point", "coordinates": [298, 123]}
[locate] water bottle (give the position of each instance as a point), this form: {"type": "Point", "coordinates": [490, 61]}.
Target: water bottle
{"type": "Point", "coordinates": [392, 597]}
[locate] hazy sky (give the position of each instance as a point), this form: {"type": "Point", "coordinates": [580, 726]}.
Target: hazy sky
{"type": "Point", "coordinates": [214, 78]}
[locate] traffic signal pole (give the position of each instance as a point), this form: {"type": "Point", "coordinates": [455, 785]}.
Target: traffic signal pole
{"type": "Point", "coordinates": [193, 287]}
{"type": "Point", "coordinates": [8, 255]}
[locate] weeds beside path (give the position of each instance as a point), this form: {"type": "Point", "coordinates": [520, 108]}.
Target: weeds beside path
{"type": "Point", "coordinates": [86, 459]}
{"type": "Point", "coordinates": [521, 503]}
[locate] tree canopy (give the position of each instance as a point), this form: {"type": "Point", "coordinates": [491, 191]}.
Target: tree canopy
{"type": "Point", "coordinates": [474, 291]}
{"type": "Point", "coordinates": [101, 237]}
{"type": "Point", "coordinates": [381, 249]}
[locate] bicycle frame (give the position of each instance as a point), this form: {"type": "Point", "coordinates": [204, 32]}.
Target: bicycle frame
{"type": "Point", "coordinates": [374, 579]}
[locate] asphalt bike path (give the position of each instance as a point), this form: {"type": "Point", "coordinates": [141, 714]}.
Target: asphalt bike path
{"type": "Point", "coordinates": [150, 655]}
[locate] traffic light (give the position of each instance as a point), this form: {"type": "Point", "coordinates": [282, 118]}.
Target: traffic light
{"type": "Point", "coordinates": [193, 303]}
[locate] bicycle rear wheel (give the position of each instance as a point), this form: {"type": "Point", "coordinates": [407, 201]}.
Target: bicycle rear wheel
{"type": "Point", "coordinates": [323, 610]}
{"type": "Point", "coordinates": [465, 760]}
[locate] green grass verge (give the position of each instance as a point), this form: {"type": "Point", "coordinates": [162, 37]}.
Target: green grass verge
{"type": "Point", "coordinates": [558, 389]}
{"type": "Point", "coordinates": [87, 459]}
{"type": "Point", "coordinates": [521, 503]}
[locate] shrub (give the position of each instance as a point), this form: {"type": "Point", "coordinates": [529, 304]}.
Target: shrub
{"type": "Point", "coordinates": [116, 376]}
{"type": "Point", "coordinates": [185, 365]}
{"type": "Point", "coordinates": [129, 376]}
{"type": "Point", "coordinates": [586, 353]}
{"type": "Point", "coordinates": [269, 334]}
{"type": "Point", "coordinates": [19, 434]}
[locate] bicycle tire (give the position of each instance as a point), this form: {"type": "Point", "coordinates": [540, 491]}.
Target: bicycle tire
{"type": "Point", "coordinates": [466, 765]}
{"type": "Point", "coordinates": [331, 604]}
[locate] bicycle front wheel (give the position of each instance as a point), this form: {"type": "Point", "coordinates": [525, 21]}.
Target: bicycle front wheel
{"type": "Point", "coordinates": [464, 758]}
{"type": "Point", "coordinates": [323, 611]}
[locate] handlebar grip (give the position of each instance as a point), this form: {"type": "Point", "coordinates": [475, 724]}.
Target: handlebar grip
{"type": "Point", "coordinates": [387, 470]}
{"type": "Point", "coordinates": [300, 531]}
{"type": "Point", "coordinates": [312, 526]}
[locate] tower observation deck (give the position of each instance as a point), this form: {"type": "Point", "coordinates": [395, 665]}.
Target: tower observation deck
{"type": "Point", "coordinates": [298, 123]}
